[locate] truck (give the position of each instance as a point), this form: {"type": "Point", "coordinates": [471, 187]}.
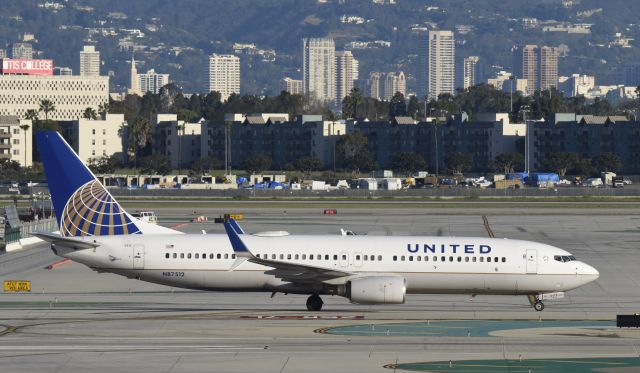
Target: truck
{"type": "Point", "coordinates": [618, 182]}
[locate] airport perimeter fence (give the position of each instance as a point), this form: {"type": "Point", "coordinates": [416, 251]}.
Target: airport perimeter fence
{"type": "Point", "coordinates": [456, 192]}
{"type": "Point", "coordinates": [11, 235]}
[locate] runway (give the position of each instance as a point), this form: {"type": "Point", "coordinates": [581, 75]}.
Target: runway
{"type": "Point", "coordinates": [76, 320]}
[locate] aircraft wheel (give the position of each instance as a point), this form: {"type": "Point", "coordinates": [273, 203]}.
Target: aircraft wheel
{"type": "Point", "coordinates": [314, 303]}
{"type": "Point", "coordinates": [538, 306]}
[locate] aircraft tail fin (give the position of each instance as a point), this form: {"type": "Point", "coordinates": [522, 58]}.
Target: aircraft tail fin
{"type": "Point", "coordinates": [83, 206]}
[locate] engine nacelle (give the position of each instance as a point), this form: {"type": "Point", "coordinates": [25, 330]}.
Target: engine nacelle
{"type": "Point", "coordinates": [377, 290]}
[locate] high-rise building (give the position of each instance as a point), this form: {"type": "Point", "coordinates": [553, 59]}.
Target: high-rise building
{"type": "Point", "coordinates": [3, 53]}
{"type": "Point", "coordinates": [346, 73]}
{"type": "Point", "coordinates": [319, 68]}
{"type": "Point", "coordinates": [152, 82]}
{"type": "Point", "coordinates": [373, 86]}
{"type": "Point", "coordinates": [22, 51]}
{"type": "Point", "coordinates": [134, 86]}
{"type": "Point", "coordinates": [224, 75]}
{"type": "Point", "coordinates": [526, 65]}
{"type": "Point", "coordinates": [470, 71]}
{"type": "Point", "coordinates": [394, 83]}
{"type": "Point", "coordinates": [441, 63]}
{"type": "Point", "coordinates": [422, 79]}
{"type": "Point", "coordinates": [293, 86]}
{"type": "Point", "coordinates": [89, 61]}
{"type": "Point", "coordinates": [548, 67]}
{"type": "Point", "coordinates": [539, 66]}
{"type": "Point", "coordinates": [62, 70]}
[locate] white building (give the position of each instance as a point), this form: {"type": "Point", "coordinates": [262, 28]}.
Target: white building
{"type": "Point", "coordinates": [224, 75]}
{"type": "Point", "coordinates": [469, 73]}
{"type": "Point", "coordinates": [293, 86]}
{"type": "Point", "coordinates": [152, 82]}
{"type": "Point", "coordinates": [70, 95]}
{"type": "Point", "coordinates": [506, 134]}
{"type": "Point", "coordinates": [97, 138]}
{"type": "Point", "coordinates": [134, 85]}
{"type": "Point", "coordinates": [441, 63]}
{"type": "Point", "coordinates": [394, 83]}
{"type": "Point", "coordinates": [346, 73]}
{"type": "Point", "coordinates": [576, 84]}
{"type": "Point", "coordinates": [178, 140]}
{"type": "Point", "coordinates": [23, 51]}
{"type": "Point", "coordinates": [15, 142]}
{"type": "Point", "coordinates": [89, 61]}
{"type": "Point", "coordinates": [319, 68]}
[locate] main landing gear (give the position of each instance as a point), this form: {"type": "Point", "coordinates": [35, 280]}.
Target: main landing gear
{"type": "Point", "coordinates": [536, 303]}
{"type": "Point", "coordinates": [314, 303]}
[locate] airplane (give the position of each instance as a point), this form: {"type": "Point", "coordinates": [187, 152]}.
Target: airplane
{"type": "Point", "coordinates": [97, 232]}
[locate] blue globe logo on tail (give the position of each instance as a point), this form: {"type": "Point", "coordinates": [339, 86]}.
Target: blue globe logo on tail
{"type": "Point", "coordinates": [92, 211]}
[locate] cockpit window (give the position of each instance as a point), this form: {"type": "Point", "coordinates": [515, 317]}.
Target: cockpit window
{"type": "Point", "coordinates": [563, 258]}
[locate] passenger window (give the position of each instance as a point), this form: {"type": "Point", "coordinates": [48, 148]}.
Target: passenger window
{"type": "Point", "coordinates": [344, 257]}
{"type": "Point", "coordinates": [335, 257]}
{"type": "Point", "coordinates": [402, 258]}
{"type": "Point", "coordinates": [395, 258]}
{"type": "Point", "coordinates": [496, 259]}
{"type": "Point", "coordinates": [426, 258]}
{"type": "Point", "coordinates": [189, 256]}
{"type": "Point", "coordinates": [175, 255]}
{"type": "Point", "coordinates": [304, 256]}
{"type": "Point", "coordinates": [451, 259]}
{"type": "Point", "coordinates": [473, 259]}
{"type": "Point", "coordinates": [219, 256]}
{"type": "Point", "coordinates": [311, 257]}
{"type": "Point", "coordinates": [481, 259]}
{"type": "Point", "coordinates": [273, 256]}
{"type": "Point", "coordinates": [357, 257]}
{"type": "Point", "coordinates": [435, 258]}
{"type": "Point", "coordinates": [411, 258]}
{"type": "Point", "coordinates": [459, 259]}
{"type": "Point", "coordinates": [326, 257]}
{"type": "Point", "coordinates": [166, 255]}
{"type": "Point", "coordinates": [204, 255]}
{"type": "Point", "coordinates": [258, 256]}
{"type": "Point", "coordinates": [504, 259]}
{"type": "Point", "coordinates": [210, 256]}
{"type": "Point", "coordinates": [419, 258]}
{"type": "Point", "coordinates": [466, 258]}
{"type": "Point", "coordinates": [288, 256]}
{"type": "Point", "coordinates": [297, 256]}
{"type": "Point", "coordinates": [233, 256]}
{"type": "Point", "coordinates": [443, 258]}
{"type": "Point", "coordinates": [226, 256]}
{"type": "Point", "coordinates": [197, 256]}
{"type": "Point", "coordinates": [366, 257]}
{"type": "Point", "coordinates": [379, 258]}
{"type": "Point", "coordinates": [181, 255]}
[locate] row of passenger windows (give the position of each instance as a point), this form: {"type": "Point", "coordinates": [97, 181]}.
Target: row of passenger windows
{"type": "Point", "coordinates": [473, 259]}
{"type": "Point", "coordinates": [198, 256]}
{"type": "Point", "coordinates": [358, 257]}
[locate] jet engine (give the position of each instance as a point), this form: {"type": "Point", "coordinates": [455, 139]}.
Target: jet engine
{"type": "Point", "coordinates": [377, 290]}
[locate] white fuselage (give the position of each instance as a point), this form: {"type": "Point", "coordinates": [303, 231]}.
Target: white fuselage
{"type": "Point", "coordinates": [430, 265]}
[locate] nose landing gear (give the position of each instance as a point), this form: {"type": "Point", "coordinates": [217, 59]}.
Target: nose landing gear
{"type": "Point", "coordinates": [314, 303]}
{"type": "Point", "coordinates": [536, 303]}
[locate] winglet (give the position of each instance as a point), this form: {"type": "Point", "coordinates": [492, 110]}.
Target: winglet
{"type": "Point", "coordinates": [238, 246]}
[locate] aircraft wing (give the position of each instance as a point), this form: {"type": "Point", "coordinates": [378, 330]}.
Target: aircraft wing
{"type": "Point", "coordinates": [290, 272]}
{"type": "Point", "coordinates": [72, 243]}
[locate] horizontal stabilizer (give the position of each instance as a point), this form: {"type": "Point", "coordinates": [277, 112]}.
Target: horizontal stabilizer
{"type": "Point", "coordinates": [71, 243]}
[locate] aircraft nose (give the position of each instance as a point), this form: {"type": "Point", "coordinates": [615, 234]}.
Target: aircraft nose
{"type": "Point", "coordinates": [589, 271]}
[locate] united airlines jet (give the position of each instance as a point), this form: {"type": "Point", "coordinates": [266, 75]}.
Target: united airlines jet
{"type": "Point", "coordinates": [97, 232]}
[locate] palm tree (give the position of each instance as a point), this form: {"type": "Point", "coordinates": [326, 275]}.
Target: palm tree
{"type": "Point", "coordinates": [90, 113]}
{"type": "Point", "coordinates": [31, 115]}
{"type": "Point", "coordinates": [47, 106]}
{"type": "Point", "coordinates": [103, 109]}
{"type": "Point", "coordinates": [25, 128]}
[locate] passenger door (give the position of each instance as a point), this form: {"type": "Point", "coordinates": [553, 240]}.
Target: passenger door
{"type": "Point", "coordinates": [532, 261]}
{"type": "Point", "coordinates": [138, 256]}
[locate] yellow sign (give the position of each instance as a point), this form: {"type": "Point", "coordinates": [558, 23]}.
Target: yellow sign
{"type": "Point", "coordinates": [17, 286]}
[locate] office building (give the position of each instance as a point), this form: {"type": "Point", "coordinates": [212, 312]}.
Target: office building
{"type": "Point", "coordinates": [178, 140]}
{"type": "Point", "coordinates": [22, 51]}
{"type": "Point", "coordinates": [374, 86]}
{"type": "Point", "coordinates": [394, 82]}
{"type": "Point", "coordinates": [539, 66]}
{"type": "Point", "coordinates": [319, 68]}
{"type": "Point", "coordinates": [441, 63]}
{"type": "Point", "coordinates": [548, 68]}
{"type": "Point", "coordinates": [24, 84]}
{"type": "Point", "coordinates": [469, 71]}
{"type": "Point", "coordinates": [224, 75]}
{"type": "Point", "coordinates": [293, 86]}
{"type": "Point", "coordinates": [134, 84]}
{"type": "Point", "coordinates": [93, 139]}
{"type": "Point", "coordinates": [89, 61]}
{"type": "Point", "coordinates": [152, 82]}
{"type": "Point", "coordinates": [16, 142]}
{"type": "Point", "coordinates": [576, 84]}
{"type": "Point", "coordinates": [346, 73]}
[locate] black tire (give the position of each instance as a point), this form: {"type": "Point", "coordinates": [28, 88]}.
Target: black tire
{"type": "Point", "coordinates": [314, 303]}
{"type": "Point", "coordinates": [538, 306]}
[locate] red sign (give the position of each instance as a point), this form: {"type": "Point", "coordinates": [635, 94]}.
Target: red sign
{"type": "Point", "coordinates": [27, 67]}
